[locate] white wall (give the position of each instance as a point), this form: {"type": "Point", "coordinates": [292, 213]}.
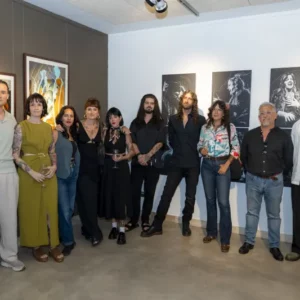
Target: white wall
{"type": "Point", "coordinates": [138, 59]}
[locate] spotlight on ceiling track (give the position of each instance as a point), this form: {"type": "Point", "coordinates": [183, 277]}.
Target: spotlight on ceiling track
{"type": "Point", "coordinates": [160, 5]}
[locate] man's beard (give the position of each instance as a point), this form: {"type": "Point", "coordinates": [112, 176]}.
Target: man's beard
{"type": "Point", "coordinates": [188, 107]}
{"type": "Point", "coordinates": [149, 111]}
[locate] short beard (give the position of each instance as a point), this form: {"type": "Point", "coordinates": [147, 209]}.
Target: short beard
{"type": "Point", "coordinates": [148, 112]}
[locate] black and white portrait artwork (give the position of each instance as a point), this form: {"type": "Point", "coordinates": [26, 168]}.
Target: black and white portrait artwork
{"type": "Point", "coordinates": [241, 133]}
{"type": "Point", "coordinates": [234, 87]}
{"type": "Point", "coordinates": [285, 95]}
{"type": "Point", "coordinates": [173, 87]}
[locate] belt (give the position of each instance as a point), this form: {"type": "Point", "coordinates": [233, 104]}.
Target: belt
{"type": "Point", "coordinates": [36, 154]}
{"type": "Point", "coordinates": [217, 158]}
{"type": "Point", "coordinates": [273, 177]}
{"type": "Point", "coordinates": [112, 154]}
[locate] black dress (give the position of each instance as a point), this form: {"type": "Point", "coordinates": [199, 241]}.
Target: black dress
{"type": "Point", "coordinates": [115, 182]}
{"type": "Point", "coordinates": [88, 183]}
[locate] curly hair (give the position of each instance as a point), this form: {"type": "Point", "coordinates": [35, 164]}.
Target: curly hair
{"type": "Point", "coordinates": [195, 113]}
{"type": "Point", "coordinates": [73, 128]}
{"type": "Point", "coordinates": [226, 118]}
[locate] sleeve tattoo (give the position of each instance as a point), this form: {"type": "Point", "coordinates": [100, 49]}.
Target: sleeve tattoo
{"type": "Point", "coordinates": [51, 152]}
{"type": "Point", "coordinates": [17, 143]}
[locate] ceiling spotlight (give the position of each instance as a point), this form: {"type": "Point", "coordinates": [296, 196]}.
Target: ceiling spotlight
{"type": "Point", "coordinates": [160, 5]}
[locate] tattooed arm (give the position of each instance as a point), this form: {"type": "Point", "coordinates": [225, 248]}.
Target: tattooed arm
{"type": "Point", "coordinates": [52, 154]}
{"type": "Point", "coordinates": [17, 143]}
{"type": "Point", "coordinates": [130, 148]}
{"type": "Point", "coordinates": [155, 148]}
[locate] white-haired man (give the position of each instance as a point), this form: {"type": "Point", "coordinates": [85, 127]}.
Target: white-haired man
{"type": "Point", "coordinates": [266, 153]}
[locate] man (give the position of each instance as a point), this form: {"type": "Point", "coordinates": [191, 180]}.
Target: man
{"type": "Point", "coordinates": [295, 254]}
{"type": "Point", "coordinates": [9, 187]}
{"type": "Point", "coordinates": [148, 136]}
{"type": "Point", "coordinates": [184, 131]}
{"type": "Point", "coordinates": [266, 153]}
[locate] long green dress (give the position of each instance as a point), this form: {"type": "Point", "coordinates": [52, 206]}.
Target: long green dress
{"type": "Point", "coordinates": [38, 207]}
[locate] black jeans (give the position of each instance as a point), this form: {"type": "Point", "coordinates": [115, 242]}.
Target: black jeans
{"type": "Point", "coordinates": [296, 218]}
{"type": "Point", "coordinates": [149, 175]}
{"type": "Point", "coordinates": [174, 177]}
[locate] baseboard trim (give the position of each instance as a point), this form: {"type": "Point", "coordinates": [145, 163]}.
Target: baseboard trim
{"type": "Point", "coordinates": [238, 230]}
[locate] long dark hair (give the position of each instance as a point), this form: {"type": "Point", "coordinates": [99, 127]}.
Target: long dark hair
{"type": "Point", "coordinates": [195, 113]}
{"type": "Point", "coordinates": [226, 118]}
{"type": "Point", "coordinates": [73, 128]}
{"type": "Point", "coordinates": [113, 112]}
{"type": "Point", "coordinates": [156, 118]}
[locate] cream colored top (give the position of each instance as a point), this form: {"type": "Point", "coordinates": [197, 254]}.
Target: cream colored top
{"type": "Point", "coordinates": [7, 127]}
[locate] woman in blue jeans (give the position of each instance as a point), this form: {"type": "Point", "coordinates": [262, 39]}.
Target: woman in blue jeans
{"type": "Point", "coordinates": [218, 152]}
{"type": "Point", "coordinates": [68, 160]}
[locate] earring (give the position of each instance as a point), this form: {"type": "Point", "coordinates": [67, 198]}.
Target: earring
{"type": "Point", "coordinates": [98, 117]}
{"type": "Point", "coordinates": [84, 116]}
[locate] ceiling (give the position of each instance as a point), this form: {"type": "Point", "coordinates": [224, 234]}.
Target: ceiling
{"type": "Point", "coordinates": [113, 16]}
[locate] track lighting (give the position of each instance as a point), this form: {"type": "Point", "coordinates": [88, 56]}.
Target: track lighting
{"type": "Point", "coordinates": [160, 5]}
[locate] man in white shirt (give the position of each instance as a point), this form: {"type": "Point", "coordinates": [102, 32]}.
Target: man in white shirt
{"type": "Point", "coordinates": [295, 254]}
{"type": "Point", "coordinates": [9, 187]}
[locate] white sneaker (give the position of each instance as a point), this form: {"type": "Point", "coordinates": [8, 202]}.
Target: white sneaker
{"type": "Point", "coordinates": [16, 265]}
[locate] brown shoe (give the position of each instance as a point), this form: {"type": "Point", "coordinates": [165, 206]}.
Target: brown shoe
{"type": "Point", "coordinates": [39, 255]}
{"type": "Point", "coordinates": [208, 239]}
{"type": "Point", "coordinates": [56, 254]}
{"type": "Point", "coordinates": [225, 248]}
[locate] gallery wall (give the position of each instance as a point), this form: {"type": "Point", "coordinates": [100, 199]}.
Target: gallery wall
{"type": "Point", "coordinates": [27, 29]}
{"type": "Point", "coordinates": [137, 61]}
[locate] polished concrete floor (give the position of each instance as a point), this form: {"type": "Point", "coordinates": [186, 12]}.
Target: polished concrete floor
{"type": "Point", "coordinates": [161, 267]}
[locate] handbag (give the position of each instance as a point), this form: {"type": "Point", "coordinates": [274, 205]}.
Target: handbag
{"type": "Point", "coordinates": [236, 169]}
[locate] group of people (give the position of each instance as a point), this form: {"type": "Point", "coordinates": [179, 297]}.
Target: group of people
{"type": "Point", "coordinates": [88, 162]}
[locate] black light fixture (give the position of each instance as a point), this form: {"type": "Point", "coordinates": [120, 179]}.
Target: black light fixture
{"type": "Point", "coordinates": [160, 5]}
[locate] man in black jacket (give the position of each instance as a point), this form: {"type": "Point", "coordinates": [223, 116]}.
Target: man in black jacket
{"type": "Point", "coordinates": [184, 131]}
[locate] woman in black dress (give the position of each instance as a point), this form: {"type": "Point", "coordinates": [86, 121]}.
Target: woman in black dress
{"type": "Point", "coordinates": [116, 175]}
{"type": "Point", "coordinates": [89, 179]}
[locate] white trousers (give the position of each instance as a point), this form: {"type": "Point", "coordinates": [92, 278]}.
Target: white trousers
{"type": "Point", "coordinates": [9, 194]}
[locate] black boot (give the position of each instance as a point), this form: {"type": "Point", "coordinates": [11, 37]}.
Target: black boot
{"type": "Point", "coordinates": [246, 247]}
{"type": "Point", "coordinates": [277, 254]}
{"type": "Point", "coordinates": [113, 234]}
{"type": "Point", "coordinates": [121, 238]}
{"type": "Point", "coordinates": [186, 230]}
{"type": "Point", "coordinates": [151, 231]}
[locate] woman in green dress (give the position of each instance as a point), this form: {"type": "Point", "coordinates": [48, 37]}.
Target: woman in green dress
{"type": "Point", "coordinates": [34, 153]}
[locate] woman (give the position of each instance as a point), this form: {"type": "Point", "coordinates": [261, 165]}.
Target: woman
{"type": "Point", "coordinates": [38, 184]}
{"type": "Point", "coordinates": [116, 175]}
{"type": "Point", "coordinates": [287, 101]}
{"type": "Point", "coordinates": [88, 183]}
{"type": "Point", "coordinates": [218, 152]}
{"type": "Point", "coordinates": [68, 161]}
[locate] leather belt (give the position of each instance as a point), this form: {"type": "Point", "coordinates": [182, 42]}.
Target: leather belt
{"type": "Point", "coordinates": [273, 177]}
{"type": "Point", "coordinates": [217, 158]}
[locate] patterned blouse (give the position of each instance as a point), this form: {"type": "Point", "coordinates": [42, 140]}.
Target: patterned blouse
{"type": "Point", "coordinates": [217, 142]}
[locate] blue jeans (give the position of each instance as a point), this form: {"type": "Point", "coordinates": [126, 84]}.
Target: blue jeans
{"type": "Point", "coordinates": [66, 202]}
{"type": "Point", "coordinates": [217, 186]}
{"type": "Point", "coordinates": [271, 190]}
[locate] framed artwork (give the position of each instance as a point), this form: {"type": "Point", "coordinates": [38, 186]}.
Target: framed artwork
{"type": "Point", "coordinates": [173, 86]}
{"type": "Point", "coordinates": [10, 79]}
{"type": "Point", "coordinates": [234, 87]}
{"type": "Point", "coordinates": [49, 78]}
{"type": "Point", "coordinates": [285, 95]}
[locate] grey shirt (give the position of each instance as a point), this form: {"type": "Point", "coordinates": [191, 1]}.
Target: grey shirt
{"type": "Point", "coordinates": [7, 126]}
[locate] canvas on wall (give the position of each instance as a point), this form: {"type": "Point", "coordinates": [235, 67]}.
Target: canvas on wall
{"type": "Point", "coordinates": [50, 79]}
{"type": "Point", "coordinates": [285, 95]}
{"type": "Point", "coordinates": [173, 86]}
{"type": "Point", "coordinates": [234, 87]}
{"type": "Point", "coordinates": [10, 79]}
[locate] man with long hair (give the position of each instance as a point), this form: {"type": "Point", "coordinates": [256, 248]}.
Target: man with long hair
{"type": "Point", "coordinates": [9, 187]}
{"type": "Point", "coordinates": [148, 136]}
{"type": "Point", "coordinates": [184, 131]}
